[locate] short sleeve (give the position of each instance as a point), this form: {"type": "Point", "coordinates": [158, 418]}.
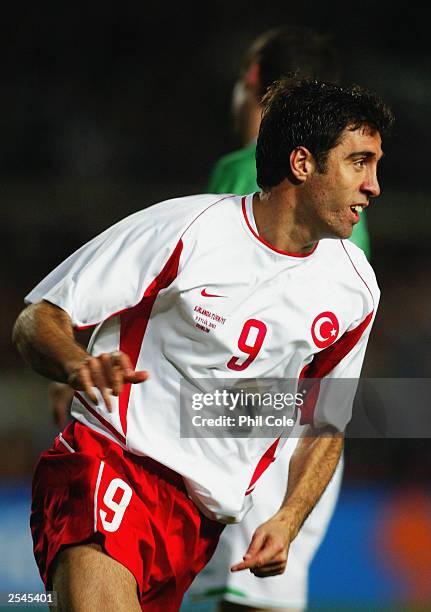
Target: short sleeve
{"type": "Point", "coordinates": [111, 272]}
{"type": "Point", "coordinates": [330, 382]}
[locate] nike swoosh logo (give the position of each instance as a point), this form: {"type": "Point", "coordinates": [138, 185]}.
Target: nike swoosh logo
{"type": "Point", "coordinates": [205, 294]}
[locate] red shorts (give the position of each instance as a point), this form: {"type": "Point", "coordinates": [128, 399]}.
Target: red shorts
{"type": "Point", "coordinates": [88, 489]}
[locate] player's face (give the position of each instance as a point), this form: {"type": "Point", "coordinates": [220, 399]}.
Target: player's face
{"type": "Point", "coordinates": [337, 196]}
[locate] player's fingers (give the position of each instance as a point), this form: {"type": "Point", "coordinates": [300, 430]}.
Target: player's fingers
{"type": "Point", "coordinates": [276, 561]}
{"type": "Point", "coordinates": [129, 373]}
{"type": "Point", "coordinates": [271, 552]}
{"type": "Point", "coordinates": [273, 570]}
{"type": "Point", "coordinates": [112, 371]}
{"type": "Point", "coordinates": [239, 567]}
{"type": "Point", "coordinates": [81, 379]}
{"type": "Point", "coordinates": [257, 542]}
{"type": "Point", "coordinates": [249, 561]}
{"type": "Point", "coordinates": [96, 371]}
{"type": "Point", "coordinates": [138, 377]}
{"type": "Point", "coordinates": [123, 360]}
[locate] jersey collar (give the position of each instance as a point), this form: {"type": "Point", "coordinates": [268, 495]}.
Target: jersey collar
{"type": "Point", "coordinates": [247, 210]}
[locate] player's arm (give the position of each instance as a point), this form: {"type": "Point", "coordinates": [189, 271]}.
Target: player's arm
{"type": "Point", "coordinates": [60, 395]}
{"type": "Point", "coordinates": [43, 334]}
{"type": "Point", "coordinates": [311, 468]}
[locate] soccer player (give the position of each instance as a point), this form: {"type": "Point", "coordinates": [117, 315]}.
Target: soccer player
{"type": "Point", "coordinates": [274, 53]}
{"type": "Point", "coordinates": [126, 511]}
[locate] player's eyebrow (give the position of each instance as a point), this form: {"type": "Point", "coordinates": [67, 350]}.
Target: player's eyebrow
{"type": "Point", "coordinates": [363, 154]}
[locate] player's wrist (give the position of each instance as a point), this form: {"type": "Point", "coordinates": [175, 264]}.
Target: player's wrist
{"type": "Point", "coordinates": [290, 521]}
{"type": "Point", "coordinates": [72, 367]}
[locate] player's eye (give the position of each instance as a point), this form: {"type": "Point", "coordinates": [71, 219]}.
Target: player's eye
{"type": "Point", "coordinates": [359, 163]}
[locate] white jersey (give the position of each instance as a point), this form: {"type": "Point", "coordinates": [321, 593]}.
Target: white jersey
{"type": "Point", "coordinates": [189, 290]}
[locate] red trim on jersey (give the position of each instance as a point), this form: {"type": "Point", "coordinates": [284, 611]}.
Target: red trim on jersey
{"type": "Point", "coordinates": [273, 248]}
{"type": "Point", "coordinates": [264, 462]}
{"type": "Point", "coordinates": [133, 323]}
{"type": "Point", "coordinates": [225, 197]}
{"type": "Point", "coordinates": [357, 272]}
{"type": "Point", "coordinates": [323, 363]}
{"type": "Point", "coordinates": [100, 418]}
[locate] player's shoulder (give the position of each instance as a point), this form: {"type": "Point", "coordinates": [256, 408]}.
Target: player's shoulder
{"type": "Point", "coordinates": [179, 211]}
{"type": "Point", "coordinates": [345, 256]}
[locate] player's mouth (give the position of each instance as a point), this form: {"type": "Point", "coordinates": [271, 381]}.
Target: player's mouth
{"type": "Point", "coordinates": [357, 210]}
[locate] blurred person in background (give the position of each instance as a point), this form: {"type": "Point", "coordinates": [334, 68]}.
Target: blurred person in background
{"type": "Point", "coordinates": [271, 55]}
{"type": "Point", "coordinates": [121, 459]}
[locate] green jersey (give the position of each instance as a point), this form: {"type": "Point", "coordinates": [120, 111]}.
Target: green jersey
{"type": "Point", "coordinates": [236, 173]}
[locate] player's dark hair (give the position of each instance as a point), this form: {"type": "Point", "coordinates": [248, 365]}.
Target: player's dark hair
{"type": "Point", "coordinates": [312, 114]}
{"type": "Point", "coordinates": [293, 50]}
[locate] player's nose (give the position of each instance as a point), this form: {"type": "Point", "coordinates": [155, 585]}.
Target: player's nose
{"type": "Point", "coordinates": [371, 186]}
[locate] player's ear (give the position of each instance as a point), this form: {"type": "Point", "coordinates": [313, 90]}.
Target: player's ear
{"type": "Point", "coordinates": [301, 164]}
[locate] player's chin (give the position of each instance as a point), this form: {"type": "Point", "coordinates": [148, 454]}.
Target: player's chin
{"type": "Point", "coordinates": [343, 233]}
{"type": "Point", "coordinates": [347, 234]}
{"type": "Point", "coordinates": [337, 231]}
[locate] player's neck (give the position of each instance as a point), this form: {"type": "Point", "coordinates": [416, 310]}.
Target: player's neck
{"type": "Point", "coordinates": [275, 215]}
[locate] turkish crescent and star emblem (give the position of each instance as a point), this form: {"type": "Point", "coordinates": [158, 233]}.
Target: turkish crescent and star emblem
{"type": "Point", "coordinates": [325, 329]}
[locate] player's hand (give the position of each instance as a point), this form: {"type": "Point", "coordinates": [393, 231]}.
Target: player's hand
{"type": "Point", "coordinates": [59, 397]}
{"type": "Point", "coordinates": [268, 550]}
{"type": "Point", "coordinates": [108, 372]}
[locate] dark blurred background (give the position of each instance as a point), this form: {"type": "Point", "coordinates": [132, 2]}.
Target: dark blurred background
{"type": "Point", "coordinates": [108, 108]}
